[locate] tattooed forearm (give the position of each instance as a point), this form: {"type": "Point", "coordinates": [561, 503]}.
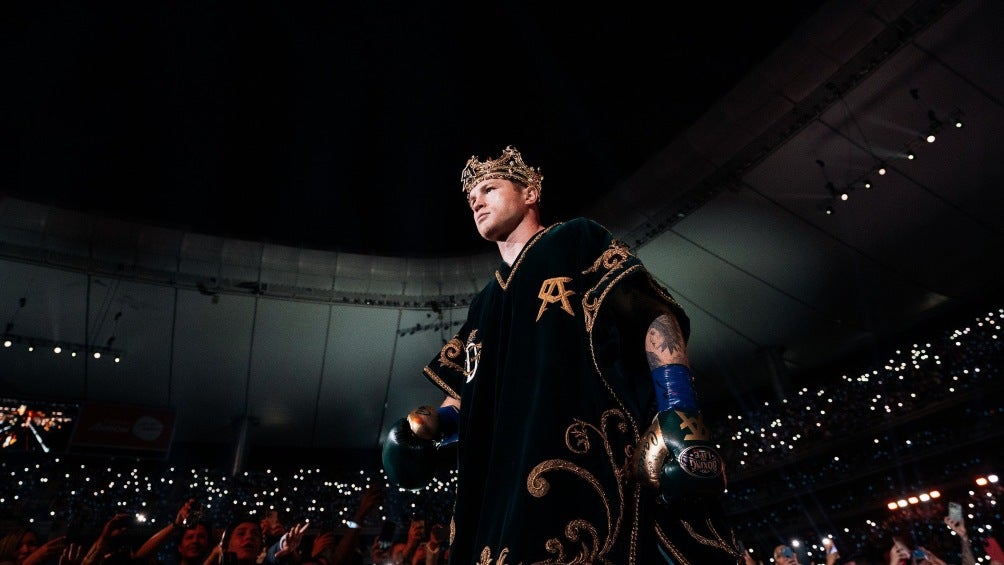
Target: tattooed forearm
{"type": "Point", "coordinates": [664, 342]}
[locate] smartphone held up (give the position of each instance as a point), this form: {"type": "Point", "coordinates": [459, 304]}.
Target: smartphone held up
{"type": "Point", "coordinates": [955, 512]}
{"type": "Point", "coordinates": [829, 546]}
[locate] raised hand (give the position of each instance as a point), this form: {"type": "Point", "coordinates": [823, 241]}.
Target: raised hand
{"type": "Point", "coordinates": [46, 552]}
{"type": "Point", "coordinates": [290, 542]}
{"type": "Point", "coordinates": [72, 554]}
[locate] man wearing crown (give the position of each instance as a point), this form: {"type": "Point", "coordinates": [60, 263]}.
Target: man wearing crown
{"type": "Point", "coordinates": [569, 394]}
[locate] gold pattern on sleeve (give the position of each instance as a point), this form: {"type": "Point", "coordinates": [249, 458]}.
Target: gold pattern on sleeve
{"type": "Point", "coordinates": [608, 263]}
{"type": "Point", "coordinates": [432, 376]}
{"type": "Point", "coordinates": [460, 356]}
{"type": "Point", "coordinates": [611, 259]}
{"type": "Point", "coordinates": [472, 356]}
{"type": "Point", "coordinates": [449, 355]}
{"type": "Point", "coordinates": [591, 303]}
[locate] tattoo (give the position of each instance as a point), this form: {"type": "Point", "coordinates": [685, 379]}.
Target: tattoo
{"type": "Point", "coordinates": [664, 342]}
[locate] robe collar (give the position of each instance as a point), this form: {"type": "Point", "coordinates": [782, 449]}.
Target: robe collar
{"type": "Point", "coordinates": [505, 272]}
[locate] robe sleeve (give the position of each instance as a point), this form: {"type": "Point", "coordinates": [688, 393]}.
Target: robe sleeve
{"type": "Point", "coordinates": [447, 369]}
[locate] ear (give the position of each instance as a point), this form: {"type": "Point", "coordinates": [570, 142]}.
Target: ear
{"type": "Point", "coordinates": [532, 195]}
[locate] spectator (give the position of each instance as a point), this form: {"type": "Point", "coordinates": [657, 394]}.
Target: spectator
{"type": "Point", "coordinates": [109, 545]}
{"type": "Point", "coordinates": [287, 548]}
{"type": "Point", "coordinates": [784, 555]}
{"type": "Point", "coordinates": [434, 551]}
{"type": "Point", "coordinates": [994, 551]}
{"type": "Point", "coordinates": [271, 528]}
{"type": "Point", "coordinates": [403, 552]}
{"type": "Point", "coordinates": [967, 549]}
{"type": "Point", "coordinates": [347, 551]}
{"type": "Point", "coordinates": [832, 554]}
{"type": "Point", "coordinates": [898, 554]}
{"type": "Point", "coordinates": [20, 545]}
{"type": "Point", "coordinates": [749, 560]}
{"type": "Point", "coordinates": [241, 544]}
{"type": "Point", "coordinates": [194, 545]}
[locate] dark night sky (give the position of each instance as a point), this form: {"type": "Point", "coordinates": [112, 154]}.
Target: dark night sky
{"type": "Point", "coordinates": [344, 126]}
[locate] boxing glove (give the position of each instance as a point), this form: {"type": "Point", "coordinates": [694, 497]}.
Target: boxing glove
{"type": "Point", "coordinates": [411, 445]}
{"type": "Point", "coordinates": [675, 455]}
{"type": "Point", "coordinates": [677, 459]}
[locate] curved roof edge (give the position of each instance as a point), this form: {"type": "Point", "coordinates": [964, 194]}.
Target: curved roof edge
{"type": "Point", "coordinates": [65, 239]}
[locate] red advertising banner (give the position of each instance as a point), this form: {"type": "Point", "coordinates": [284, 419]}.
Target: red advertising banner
{"type": "Point", "coordinates": [124, 426]}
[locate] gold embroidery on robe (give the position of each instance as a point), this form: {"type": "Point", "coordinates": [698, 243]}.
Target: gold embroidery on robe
{"type": "Point", "coordinates": [553, 290]}
{"type": "Point", "coordinates": [472, 353]}
{"type": "Point", "coordinates": [440, 383]}
{"type": "Point", "coordinates": [677, 556]}
{"type": "Point", "coordinates": [498, 276]}
{"type": "Point", "coordinates": [718, 542]}
{"type": "Point", "coordinates": [486, 557]}
{"type": "Point", "coordinates": [449, 355]}
{"type": "Point", "coordinates": [610, 261]}
{"type": "Point", "coordinates": [586, 543]}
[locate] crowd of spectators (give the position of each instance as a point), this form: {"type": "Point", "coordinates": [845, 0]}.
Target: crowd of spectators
{"type": "Point", "coordinates": [823, 462]}
{"type": "Point", "coordinates": [827, 461]}
{"type": "Point", "coordinates": [926, 377]}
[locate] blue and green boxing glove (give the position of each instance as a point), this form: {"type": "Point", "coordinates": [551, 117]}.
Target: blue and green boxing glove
{"type": "Point", "coordinates": [410, 449]}
{"type": "Point", "coordinates": [676, 456]}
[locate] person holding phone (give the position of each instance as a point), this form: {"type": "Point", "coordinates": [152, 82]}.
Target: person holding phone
{"type": "Point", "coordinates": [784, 555]}
{"type": "Point", "coordinates": [386, 538]}
{"type": "Point", "coordinates": [401, 553]}
{"type": "Point", "coordinates": [110, 540]}
{"type": "Point", "coordinates": [380, 548]}
{"type": "Point", "coordinates": [326, 550]}
{"type": "Point", "coordinates": [831, 551]}
{"type": "Point", "coordinates": [923, 556]}
{"type": "Point", "coordinates": [193, 545]}
{"type": "Point", "coordinates": [901, 554]}
{"type": "Point", "coordinates": [958, 526]}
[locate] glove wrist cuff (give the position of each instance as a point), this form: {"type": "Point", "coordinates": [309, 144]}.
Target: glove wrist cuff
{"type": "Point", "coordinates": [674, 387]}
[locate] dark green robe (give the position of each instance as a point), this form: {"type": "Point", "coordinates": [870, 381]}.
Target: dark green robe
{"type": "Point", "coordinates": [554, 397]}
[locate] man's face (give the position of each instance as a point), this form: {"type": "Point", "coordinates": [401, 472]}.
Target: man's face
{"type": "Point", "coordinates": [246, 541]}
{"type": "Point", "coordinates": [194, 543]}
{"type": "Point", "coordinates": [499, 205]}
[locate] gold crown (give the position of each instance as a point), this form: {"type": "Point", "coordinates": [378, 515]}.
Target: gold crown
{"type": "Point", "coordinates": [509, 165]}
